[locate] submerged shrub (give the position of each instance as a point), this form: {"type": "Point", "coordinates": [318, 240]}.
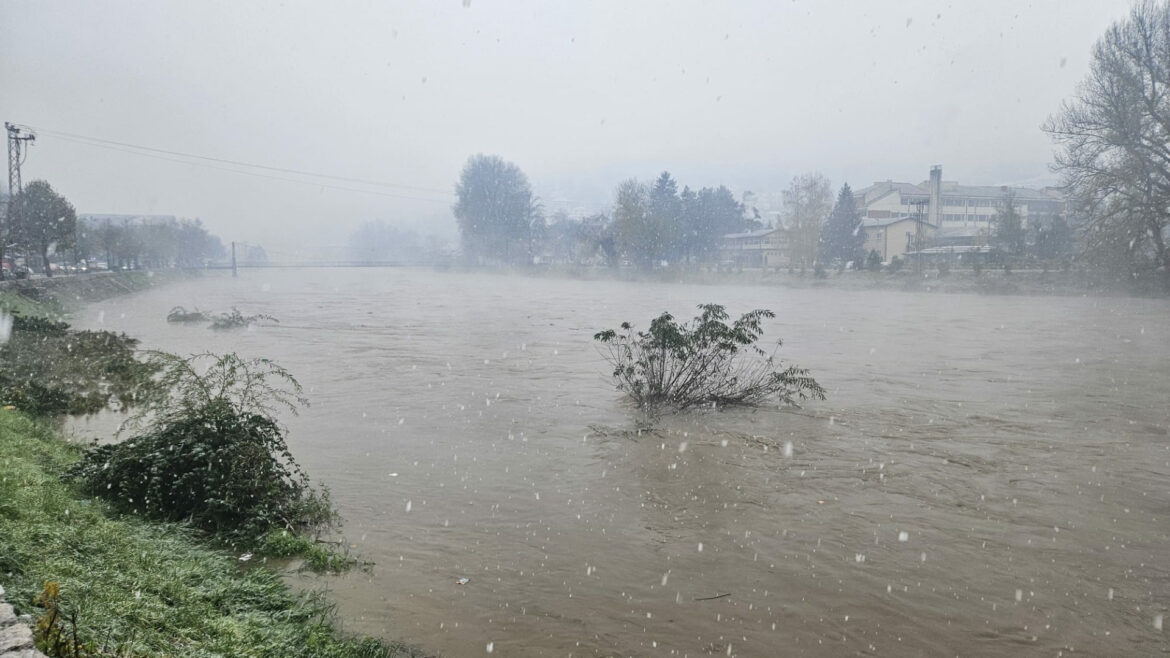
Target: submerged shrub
{"type": "Point", "coordinates": [237, 320]}
{"type": "Point", "coordinates": [208, 450]}
{"type": "Point", "coordinates": [702, 362]}
{"type": "Point", "coordinates": [180, 314]}
{"type": "Point", "coordinates": [47, 368]}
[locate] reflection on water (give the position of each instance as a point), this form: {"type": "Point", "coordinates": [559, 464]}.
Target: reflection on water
{"type": "Point", "coordinates": [988, 476]}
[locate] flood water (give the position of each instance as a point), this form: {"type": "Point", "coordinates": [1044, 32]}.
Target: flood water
{"type": "Point", "coordinates": [989, 476]}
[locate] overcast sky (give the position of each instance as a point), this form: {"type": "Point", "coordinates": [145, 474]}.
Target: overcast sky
{"type": "Point", "coordinates": [579, 95]}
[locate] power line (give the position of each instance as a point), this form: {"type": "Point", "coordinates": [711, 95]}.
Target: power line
{"type": "Point", "coordinates": [248, 173]}
{"type": "Point", "coordinates": [245, 164]}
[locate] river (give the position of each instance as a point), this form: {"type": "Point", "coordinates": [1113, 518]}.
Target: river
{"type": "Point", "coordinates": [989, 476]}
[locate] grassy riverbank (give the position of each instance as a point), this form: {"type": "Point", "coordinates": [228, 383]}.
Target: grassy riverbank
{"type": "Point", "coordinates": [52, 297]}
{"type": "Point", "coordinates": [139, 587]}
{"type": "Point", "coordinates": [143, 588]}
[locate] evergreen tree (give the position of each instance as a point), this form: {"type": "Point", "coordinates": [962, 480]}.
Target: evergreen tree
{"type": "Point", "coordinates": [666, 216]}
{"type": "Point", "coordinates": [841, 237]}
{"type": "Point", "coordinates": [717, 214]}
{"type": "Point", "coordinates": [1009, 228]}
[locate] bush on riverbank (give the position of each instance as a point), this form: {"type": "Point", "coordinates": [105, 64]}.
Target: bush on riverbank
{"type": "Point", "coordinates": [144, 588]}
{"type": "Point", "coordinates": [702, 362]}
{"type": "Point", "coordinates": [209, 450]}
{"type": "Point", "coordinates": [48, 369]}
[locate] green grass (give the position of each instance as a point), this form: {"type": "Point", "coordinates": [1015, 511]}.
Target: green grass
{"type": "Point", "coordinates": [13, 302]}
{"type": "Point", "coordinates": [142, 588]}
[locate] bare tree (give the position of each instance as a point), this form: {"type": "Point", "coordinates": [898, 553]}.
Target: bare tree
{"type": "Point", "coordinates": [1115, 145]}
{"type": "Point", "coordinates": [807, 202]}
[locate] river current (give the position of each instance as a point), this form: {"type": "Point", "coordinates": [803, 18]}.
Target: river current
{"type": "Point", "coordinates": [989, 476]}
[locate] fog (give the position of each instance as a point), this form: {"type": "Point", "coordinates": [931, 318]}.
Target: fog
{"type": "Point", "coordinates": [474, 233]}
{"type": "Point", "coordinates": [578, 95]}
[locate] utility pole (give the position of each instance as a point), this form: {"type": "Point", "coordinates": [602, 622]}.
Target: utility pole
{"type": "Point", "coordinates": [919, 236]}
{"type": "Point", "coordinates": [15, 137]}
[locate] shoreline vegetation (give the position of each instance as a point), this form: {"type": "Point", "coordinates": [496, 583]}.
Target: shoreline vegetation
{"type": "Point", "coordinates": [97, 581]}
{"type": "Point", "coordinates": [1072, 282]}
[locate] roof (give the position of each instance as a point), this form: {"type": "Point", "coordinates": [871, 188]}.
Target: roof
{"type": "Point", "coordinates": [883, 188]}
{"type": "Point", "coordinates": [115, 217]}
{"type": "Point", "coordinates": [877, 222]}
{"type": "Point", "coordinates": [950, 232]}
{"type": "Point", "coordinates": [758, 233]}
{"type": "Point", "coordinates": [964, 249]}
{"type": "Point", "coordinates": [950, 188]}
{"type": "Point", "coordinates": [997, 192]}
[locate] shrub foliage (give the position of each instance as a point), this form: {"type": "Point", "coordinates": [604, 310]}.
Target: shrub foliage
{"type": "Point", "coordinates": [702, 362]}
{"type": "Point", "coordinates": [180, 314]}
{"type": "Point", "coordinates": [47, 369]}
{"type": "Point", "coordinates": [207, 449]}
{"type": "Point", "coordinates": [237, 320]}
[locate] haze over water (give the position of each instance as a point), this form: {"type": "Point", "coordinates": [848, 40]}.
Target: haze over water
{"type": "Point", "coordinates": [987, 477]}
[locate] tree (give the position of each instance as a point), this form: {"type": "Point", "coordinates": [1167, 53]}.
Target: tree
{"type": "Point", "coordinates": [1053, 238]}
{"type": "Point", "coordinates": [196, 245]}
{"type": "Point", "coordinates": [806, 203]}
{"type": "Point", "coordinates": [378, 241]}
{"type": "Point", "coordinates": [1114, 139]}
{"type": "Point", "coordinates": [495, 209]}
{"type": "Point", "coordinates": [713, 213]}
{"type": "Point", "coordinates": [638, 237]}
{"type": "Point", "coordinates": [666, 215]}
{"type": "Point", "coordinates": [1009, 228]}
{"type": "Point", "coordinates": [599, 235]}
{"type": "Point", "coordinates": [842, 237]}
{"type": "Point", "coordinates": [107, 236]}
{"type": "Point", "coordinates": [44, 220]}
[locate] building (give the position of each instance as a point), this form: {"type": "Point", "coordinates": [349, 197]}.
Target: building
{"type": "Point", "coordinates": [947, 204]}
{"type": "Point", "coordinates": [764, 248]}
{"type": "Point", "coordinates": [895, 236]}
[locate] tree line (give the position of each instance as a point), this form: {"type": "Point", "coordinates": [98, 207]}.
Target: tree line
{"type": "Point", "coordinates": [1113, 140]}
{"type": "Point", "coordinates": [43, 226]}
{"type": "Point", "coordinates": [127, 243]}
{"type": "Point", "coordinates": [501, 221]}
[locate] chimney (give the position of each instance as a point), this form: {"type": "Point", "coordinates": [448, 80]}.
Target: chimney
{"type": "Point", "coordinates": [934, 214]}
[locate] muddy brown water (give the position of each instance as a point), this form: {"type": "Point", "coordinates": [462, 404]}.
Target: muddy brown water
{"type": "Point", "coordinates": [989, 476]}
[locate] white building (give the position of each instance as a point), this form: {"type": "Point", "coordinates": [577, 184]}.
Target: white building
{"type": "Point", "coordinates": [947, 204]}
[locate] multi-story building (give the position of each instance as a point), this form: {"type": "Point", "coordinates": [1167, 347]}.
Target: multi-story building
{"type": "Point", "coordinates": [768, 247]}
{"type": "Point", "coordinates": [949, 205]}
